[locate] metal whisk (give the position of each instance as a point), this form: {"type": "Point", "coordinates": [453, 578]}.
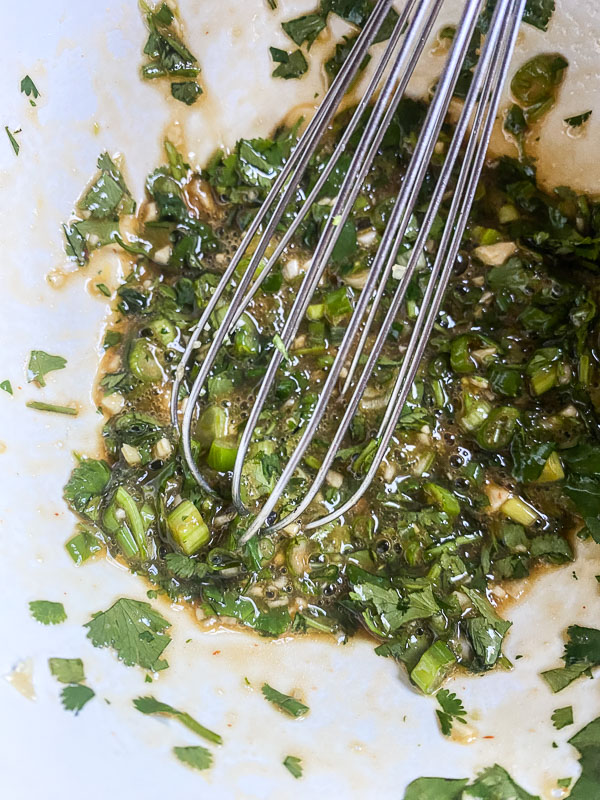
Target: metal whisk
{"type": "Point", "coordinates": [464, 160]}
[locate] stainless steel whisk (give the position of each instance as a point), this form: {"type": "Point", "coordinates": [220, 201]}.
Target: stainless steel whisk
{"type": "Point", "coordinates": [465, 158]}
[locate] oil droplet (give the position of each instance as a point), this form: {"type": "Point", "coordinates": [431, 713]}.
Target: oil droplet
{"type": "Point", "coordinates": [21, 678]}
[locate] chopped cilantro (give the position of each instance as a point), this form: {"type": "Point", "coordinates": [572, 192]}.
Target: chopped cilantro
{"type": "Point", "coordinates": [41, 363]}
{"type": "Point", "coordinates": [493, 783]}
{"type": "Point", "coordinates": [291, 65]}
{"type": "Point", "coordinates": [39, 406]}
{"type": "Point", "coordinates": [135, 630]}
{"type": "Point", "coordinates": [29, 88]}
{"type": "Point", "coordinates": [185, 567]}
{"type": "Point", "coordinates": [47, 612]}
{"type": "Point", "coordinates": [583, 646]}
{"type": "Point", "coordinates": [538, 13]}
{"type": "Point", "coordinates": [6, 386]}
{"type": "Point", "coordinates": [186, 91]}
{"type": "Point", "coordinates": [87, 480]}
{"type": "Point", "coordinates": [578, 120]}
{"type": "Point", "coordinates": [451, 710]}
{"type": "Point", "coordinates": [11, 138]}
{"type": "Point", "coordinates": [150, 705]}
{"type": "Point", "coordinates": [587, 742]}
{"type": "Point", "coordinates": [196, 757]}
{"type": "Point", "coordinates": [304, 29]}
{"type": "Point", "coordinates": [67, 670]}
{"type": "Point", "coordinates": [294, 765]}
{"type": "Point", "coordinates": [582, 651]}
{"type": "Point", "coordinates": [74, 697]}
{"type": "Point", "coordinates": [103, 288]}
{"type": "Point", "coordinates": [559, 678]}
{"type": "Point", "coordinates": [562, 717]}
{"type": "Point", "coordinates": [112, 339]}
{"type": "Point", "coordinates": [286, 703]}
{"type": "Point", "coordinates": [564, 783]}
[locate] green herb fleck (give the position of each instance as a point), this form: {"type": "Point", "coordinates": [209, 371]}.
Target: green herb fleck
{"type": "Point", "coordinates": [6, 386]}
{"type": "Point", "coordinates": [11, 138]}
{"type": "Point", "coordinates": [196, 757]}
{"type": "Point", "coordinates": [41, 363]}
{"type": "Point", "coordinates": [102, 287]}
{"type": "Point", "coordinates": [47, 612]}
{"type": "Point", "coordinates": [286, 703]}
{"type": "Point", "coordinates": [67, 670]}
{"type": "Point", "coordinates": [294, 765]}
{"type": "Point", "coordinates": [291, 65]}
{"type": "Point", "coordinates": [578, 120]}
{"type": "Point", "coordinates": [29, 88]}
{"type": "Point", "coordinates": [75, 697]}
{"type": "Point", "coordinates": [562, 717]}
{"type": "Point", "coordinates": [186, 92]}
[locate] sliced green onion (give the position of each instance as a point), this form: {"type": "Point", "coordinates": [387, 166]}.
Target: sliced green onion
{"type": "Point", "coordinates": [498, 429]}
{"type": "Point", "coordinates": [476, 411]}
{"type": "Point", "coordinates": [143, 361]}
{"type": "Point", "coordinates": [432, 667]}
{"type": "Point", "coordinates": [163, 330]}
{"type": "Point", "coordinates": [188, 528]}
{"type": "Point", "coordinates": [134, 519]}
{"type": "Point", "coordinates": [519, 511]}
{"type": "Point", "coordinates": [315, 311]}
{"type": "Point", "coordinates": [246, 341]}
{"type": "Point", "coordinates": [442, 498]}
{"type": "Point", "coordinates": [337, 304]}
{"type": "Point", "coordinates": [552, 471]}
{"type": "Point", "coordinates": [82, 546]}
{"type": "Point", "coordinates": [211, 425]}
{"type": "Point", "coordinates": [222, 454]}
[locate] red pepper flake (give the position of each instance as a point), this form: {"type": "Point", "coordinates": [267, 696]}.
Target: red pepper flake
{"type": "Point", "coordinates": [216, 652]}
{"type": "Point", "coordinates": [487, 737]}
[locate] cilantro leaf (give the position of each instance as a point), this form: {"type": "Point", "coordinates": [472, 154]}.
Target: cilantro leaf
{"type": "Point", "coordinates": [562, 717]}
{"type": "Point", "coordinates": [578, 120]}
{"type": "Point", "coordinates": [286, 703]}
{"type": "Point", "coordinates": [587, 742]}
{"type": "Point", "coordinates": [6, 386]}
{"type": "Point", "coordinates": [305, 28]}
{"type": "Point", "coordinates": [47, 612]}
{"type": "Point", "coordinates": [67, 670]}
{"type": "Point", "coordinates": [135, 630]}
{"type": "Point", "coordinates": [538, 13]}
{"type": "Point", "coordinates": [75, 697]}
{"type": "Point", "coordinates": [108, 196]}
{"type": "Point", "coordinates": [435, 789]}
{"type": "Point", "coordinates": [495, 783]}
{"type": "Point", "coordinates": [13, 142]}
{"type": "Point", "coordinates": [291, 65]}
{"type": "Point", "coordinates": [583, 646]}
{"type": "Point", "coordinates": [486, 631]}
{"type": "Point", "coordinates": [186, 91]}
{"type": "Point", "coordinates": [29, 88]}
{"type": "Point", "coordinates": [451, 710]}
{"type": "Point", "coordinates": [41, 363]}
{"type": "Point", "coordinates": [196, 757]}
{"type": "Point", "coordinates": [150, 705]}
{"type": "Point", "coordinates": [112, 339]}
{"type": "Point", "coordinates": [294, 765]}
{"type": "Point", "coordinates": [185, 567]}
{"type": "Point", "coordinates": [559, 678]}
{"type": "Point", "coordinates": [88, 480]}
